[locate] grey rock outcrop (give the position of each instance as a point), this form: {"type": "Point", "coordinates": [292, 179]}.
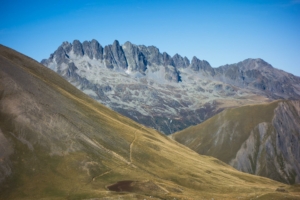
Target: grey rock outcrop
{"type": "Point", "coordinates": [97, 49]}
{"type": "Point", "coordinates": [172, 74]}
{"type": "Point", "coordinates": [77, 48]}
{"type": "Point", "coordinates": [145, 84]}
{"type": "Point", "coordinates": [61, 56]}
{"type": "Point", "coordinates": [202, 66]}
{"type": "Point", "coordinates": [180, 62]}
{"type": "Point", "coordinates": [119, 55]}
{"type": "Point", "coordinates": [87, 49]}
{"type": "Point", "coordinates": [93, 49]}
{"type": "Point", "coordinates": [152, 54]}
{"type": "Point", "coordinates": [71, 71]}
{"type": "Point", "coordinates": [167, 60]}
{"type": "Point", "coordinates": [114, 56]}
{"type": "Point", "coordinates": [135, 58]}
{"type": "Point", "coordinates": [109, 57]}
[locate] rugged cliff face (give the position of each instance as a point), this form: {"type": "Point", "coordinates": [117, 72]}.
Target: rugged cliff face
{"type": "Point", "coordinates": [164, 92]}
{"type": "Point", "coordinates": [258, 139]}
{"type": "Point", "coordinates": [273, 149]}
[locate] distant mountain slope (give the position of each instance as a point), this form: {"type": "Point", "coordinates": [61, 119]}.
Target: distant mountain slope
{"type": "Point", "coordinates": [261, 77]}
{"type": "Point", "coordinates": [57, 143]}
{"type": "Point", "coordinates": [164, 92]}
{"type": "Point", "coordinates": [258, 139]}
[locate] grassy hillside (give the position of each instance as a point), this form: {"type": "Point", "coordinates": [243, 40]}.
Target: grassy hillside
{"type": "Point", "coordinates": [57, 143]}
{"type": "Point", "coordinates": [222, 135]}
{"type": "Point", "coordinates": [258, 139]}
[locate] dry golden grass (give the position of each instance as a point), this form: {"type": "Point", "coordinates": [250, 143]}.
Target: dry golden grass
{"type": "Point", "coordinates": [68, 146]}
{"type": "Point", "coordinates": [234, 125]}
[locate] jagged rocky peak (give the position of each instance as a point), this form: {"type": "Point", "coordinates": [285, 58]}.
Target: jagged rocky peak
{"type": "Point", "coordinates": [167, 59]}
{"type": "Point", "coordinates": [202, 65]}
{"type": "Point", "coordinates": [136, 60]}
{"type": "Point", "coordinates": [93, 49]}
{"type": "Point", "coordinates": [172, 73]}
{"type": "Point", "coordinates": [127, 58]}
{"type": "Point", "coordinates": [77, 48]}
{"type": "Point", "coordinates": [180, 62]}
{"type": "Point", "coordinates": [154, 56]}
{"type": "Point", "coordinates": [66, 46]}
{"type": "Point", "coordinates": [61, 54]}
{"type": "Point", "coordinates": [87, 49]}
{"type": "Point", "coordinates": [114, 56]}
{"type": "Point", "coordinates": [97, 49]}
{"type": "Point", "coordinates": [119, 55]}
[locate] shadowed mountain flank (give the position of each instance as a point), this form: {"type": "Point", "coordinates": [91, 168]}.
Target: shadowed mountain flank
{"type": "Point", "coordinates": [58, 143]}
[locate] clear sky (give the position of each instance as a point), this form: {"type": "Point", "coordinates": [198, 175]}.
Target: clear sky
{"type": "Point", "coordinates": [219, 31]}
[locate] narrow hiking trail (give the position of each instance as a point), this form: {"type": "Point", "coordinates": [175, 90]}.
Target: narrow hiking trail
{"type": "Point", "coordinates": [101, 175]}
{"type": "Point", "coordinates": [131, 146]}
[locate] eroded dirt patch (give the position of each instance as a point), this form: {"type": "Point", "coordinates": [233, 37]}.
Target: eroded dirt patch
{"type": "Point", "coordinates": [121, 186]}
{"type": "Point", "coordinates": [147, 186]}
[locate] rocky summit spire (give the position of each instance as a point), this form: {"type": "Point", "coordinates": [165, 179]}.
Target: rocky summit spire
{"type": "Point", "coordinates": [77, 48]}
{"type": "Point", "coordinates": [119, 55]}
{"type": "Point", "coordinates": [136, 60]}
{"type": "Point", "coordinates": [202, 65]}
{"type": "Point", "coordinates": [180, 62]}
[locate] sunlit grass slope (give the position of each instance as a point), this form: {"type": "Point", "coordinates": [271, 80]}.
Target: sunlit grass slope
{"type": "Point", "coordinates": [259, 139]}
{"type": "Point", "coordinates": [233, 125]}
{"type": "Point", "coordinates": [57, 143]}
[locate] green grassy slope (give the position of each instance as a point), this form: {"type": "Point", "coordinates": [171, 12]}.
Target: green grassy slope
{"type": "Point", "coordinates": [258, 139]}
{"type": "Point", "coordinates": [222, 135]}
{"type": "Point", "coordinates": [57, 143]}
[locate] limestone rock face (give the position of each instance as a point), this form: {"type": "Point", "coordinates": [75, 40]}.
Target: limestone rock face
{"type": "Point", "coordinates": [93, 49]}
{"type": "Point", "coordinates": [168, 93]}
{"type": "Point", "coordinates": [119, 55]}
{"type": "Point", "coordinates": [77, 48]}
{"type": "Point", "coordinates": [114, 56]}
{"type": "Point", "coordinates": [202, 65]}
{"type": "Point", "coordinates": [135, 58]}
{"type": "Point", "coordinates": [180, 62]}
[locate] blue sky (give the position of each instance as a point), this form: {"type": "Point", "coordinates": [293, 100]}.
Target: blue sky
{"type": "Point", "coordinates": [221, 32]}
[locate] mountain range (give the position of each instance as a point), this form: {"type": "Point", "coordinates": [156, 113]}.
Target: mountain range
{"type": "Point", "coordinates": [164, 92]}
{"type": "Point", "coordinates": [171, 94]}
{"type": "Point", "coordinates": [58, 143]}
